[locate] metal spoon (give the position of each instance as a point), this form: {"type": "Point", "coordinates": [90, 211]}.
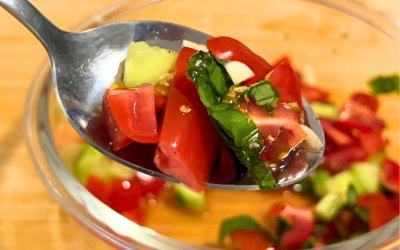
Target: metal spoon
{"type": "Point", "coordinates": [85, 64]}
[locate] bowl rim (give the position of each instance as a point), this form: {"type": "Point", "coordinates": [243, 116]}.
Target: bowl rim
{"type": "Point", "coordinates": [112, 12]}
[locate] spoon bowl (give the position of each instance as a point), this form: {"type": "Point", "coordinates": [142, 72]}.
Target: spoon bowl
{"type": "Point", "coordinates": [85, 64]}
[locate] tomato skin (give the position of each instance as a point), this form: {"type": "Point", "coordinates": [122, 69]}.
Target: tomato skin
{"type": "Point", "coordinates": [118, 138]}
{"type": "Point", "coordinates": [134, 111]}
{"type": "Point", "coordinates": [285, 81]}
{"type": "Point", "coordinates": [136, 215]}
{"type": "Point", "coordinates": [189, 143]}
{"type": "Point", "coordinates": [149, 184]}
{"type": "Point", "coordinates": [301, 221]}
{"type": "Point", "coordinates": [380, 209]}
{"type": "Point", "coordinates": [99, 188]}
{"type": "Point", "coordinates": [395, 202]}
{"type": "Point", "coordinates": [340, 137]}
{"type": "Point", "coordinates": [366, 100]}
{"type": "Point", "coordinates": [389, 174]}
{"type": "Point", "coordinates": [228, 48]}
{"type": "Point", "coordinates": [341, 158]}
{"type": "Point", "coordinates": [356, 116]}
{"type": "Point", "coordinates": [124, 194]}
{"type": "Point", "coordinates": [372, 142]}
{"type": "Point", "coordinates": [249, 239]}
{"type": "Point", "coordinates": [224, 170]}
{"type": "Point", "coordinates": [280, 60]}
{"type": "Point", "coordinates": [313, 93]}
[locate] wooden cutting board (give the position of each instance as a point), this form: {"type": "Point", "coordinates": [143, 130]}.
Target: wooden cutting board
{"type": "Point", "coordinates": [29, 217]}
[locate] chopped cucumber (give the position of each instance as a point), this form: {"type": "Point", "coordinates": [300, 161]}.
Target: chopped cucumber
{"type": "Point", "coordinates": [325, 110]}
{"type": "Point", "coordinates": [367, 174]}
{"type": "Point", "coordinates": [189, 199]}
{"type": "Point", "coordinates": [341, 182]}
{"type": "Point", "coordinates": [93, 162]}
{"type": "Point", "coordinates": [329, 206]}
{"type": "Point", "coordinates": [146, 64]}
{"type": "Point", "coordinates": [319, 181]}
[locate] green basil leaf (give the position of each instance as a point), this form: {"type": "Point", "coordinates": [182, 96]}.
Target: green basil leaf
{"type": "Point", "coordinates": [236, 128]}
{"type": "Point", "coordinates": [240, 222]}
{"type": "Point", "coordinates": [265, 95]}
{"type": "Point", "coordinates": [309, 243]}
{"type": "Point", "coordinates": [384, 84]}
{"type": "Point", "coordinates": [283, 226]}
{"type": "Point", "coordinates": [361, 213]}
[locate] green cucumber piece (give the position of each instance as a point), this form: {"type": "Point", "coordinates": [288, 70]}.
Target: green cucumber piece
{"type": "Point", "coordinates": [146, 64]}
{"type": "Point", "coordinates": [319, 181]}
{"type": "Point", "coordinates": [340, 183]}
{"type": "Point", "coordinates": [367, 174]}
{"type": "Point", "coordinates": [93, 162]}
{"type": "Point", "coordinates": [189, 199]}
{"type": "Point", "coordinates": [329, 206]}
{"type": "Point", "coordinates": [325, 110]}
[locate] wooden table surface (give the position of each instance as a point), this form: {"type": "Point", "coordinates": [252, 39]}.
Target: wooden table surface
{"type": "Point", "coordinates": [29, 217]}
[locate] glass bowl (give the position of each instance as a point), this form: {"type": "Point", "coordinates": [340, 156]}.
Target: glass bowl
{"type": "Point", "coordinates": [336, 44]}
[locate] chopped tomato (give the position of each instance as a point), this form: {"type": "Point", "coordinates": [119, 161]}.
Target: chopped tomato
{"type": "Point", "coordinates": [356, 116]}
{"type": "Point", "coordinates": [346, 222]}
{"type": "Point", "coordinates": [341, 158]}
{"type": "Point", "coordinates": [118, 138]}
{"type": "Point", "coordinates": [149, 184]}
{"type": "Point", "coordinates": [280, 132]}
{"type": "Point", "coordinates": [380, 209]}
{"type": "Point", "coordinates": [135, 113]}
{"type": "Point", "coordinates": [224, 170]}
{"type": "Point", "coordinates": [285, 81]}
{"type": "Point", "coordinates": [390, 175]}
{"type": "Point", "coordinates": [99, 188]}
{"type": "Point", "coordinates": [250, 239]}
{"type": "Point", "coordinates": [188, 143]}
{"type": "Point", "coordinates": [394, 200]}
{"type": "Point", "coordinates": [124, 195]}
{"type": "Point", "coordinates": [280, 60]}
{"type": "Point", "coordinates": [231, 49]}
{"type": "Point", "coordinates": [340, 137]}
{"type": "Point", "coordinates": [313, 93]}
{"type": "Point", "coordinates": [136, 215]}
{"type": "Point", "coordinates": [301, 223]}
{"type": "Point", "coordinates": [372, 142]}
{"type": "Point", "coordinates": [366, 100]}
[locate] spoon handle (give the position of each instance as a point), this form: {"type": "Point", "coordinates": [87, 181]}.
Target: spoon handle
{"type": "Point", "coordinates": [33, 20]}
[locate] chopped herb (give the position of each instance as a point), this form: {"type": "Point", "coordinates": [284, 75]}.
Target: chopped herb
{"type": "Point", "coordinates": [309, 243]}
{"type": "Point", "coordinates": [360, 212]}
{"type": "Point", "coordinates": [240, 222]}
{"type": "Point", "coordinates": [283, 226]}
{"type": "Point", "coordinates": [236, 127]}
{"type": "Point", "coordinates": [384, 84]}
{"type": "Point", "coordinates": [265, 95]}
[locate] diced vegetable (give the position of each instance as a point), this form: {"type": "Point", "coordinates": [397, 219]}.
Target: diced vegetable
{"type": "Point", "coordinates": [240, 222]}
{"type": "Point", "coordinates": [189, 150]}
{"type": "Point", "coordinates": [265, 95]}
{"type": "Point", "coordinates": [134, 111]}
{"type": "Point", "coordinates": [285, 81]}
{"type": "Point", "coordinates": [92, 162]}
{"type": "Point", "coordinates": [389, 175]}
{"type": "Point", "coordinates": [367, 174]}
{"type": "Point", "coordinates": [319, 181]}
{"type": "Point", "coordinates": [340, 183]}
{"type": "Point", "coordinates": [118, 138]}
{"type": "Point", "coordinates": [329, 206]}
{"type": "Point", "coordinates": [373, 142]}
{"type": "Point", "coordinates": [235, 127]}
{"type": "Point", "coordinates": [365, 100]}
{"type": "Point", "coordinates": [341, 158]}
{"type": "Point", "coordinates": [69, 154]}
{"type": "Point", "coordinates": [189, 199]}
{"type": "Point", "coordinates": [313, 93]}
{"type": "Point", "coordinates": [250, 239]}
{"type": "Point", "coordinates": [224, 170]}
{"type": "Point", "coordinates": [124, 194]}
{"type": "Point", "coordinates": [238, 71]}
{"type": "Point", "coordinates": [384, 84]}
{"type": "Point", "coordinates": [146, 64]}
{"type": "Point", "coordinates": [136, 215]}
{"type": "Point", "coordinates": [301, 223]}
{"type": "Point", "coordinates": [325, 110]}
{"type": "Point", "coordinates": [98, 187]}
{"type": "Point", "coordinates": [380, 209]}
{"type": "Point", "coordinates": [227, 48]}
